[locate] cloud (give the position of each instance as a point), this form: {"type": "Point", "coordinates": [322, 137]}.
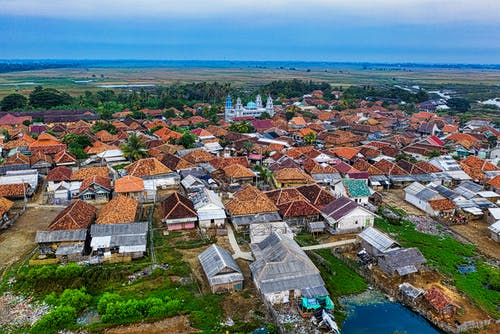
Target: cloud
{"type": "Point", "coordinates": [332, 11]}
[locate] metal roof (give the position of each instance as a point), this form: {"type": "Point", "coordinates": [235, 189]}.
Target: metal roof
{"type": "Point", "coordinates": [495, 228]}
{"type": "Point", "coordinates": [414, 188]}
{"type": "Point", "coordinates": [255, 219]}
{"type": "Point", "coordinates": [378, 240]}
{"type": "Point", "coordinates": [99, 230]}
{"type": "Point", "coordinates": [214, 260]}
{"type": "Point", "coordinates": [60, 235]}
{"type": "Point", "coordinates": [281, 265]}
{"type": "Point", "coordinates": [70, 249]}
{"type": "Point", "coordinates": [426, 194]}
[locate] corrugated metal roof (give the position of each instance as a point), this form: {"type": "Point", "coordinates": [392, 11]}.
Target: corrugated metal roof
{"type": "Point", "coordinates": [214, 260]}
{"type": "Point", "coordinates": [281, 265]}
{"type": "Point", "coordinates": [495, 228]}
{"type": "Point", "coordinates": [70, 249]}
{"type": "Point", "coordinates": [60, 235]}
{"type": "Point", "coordinates": [378, 240]}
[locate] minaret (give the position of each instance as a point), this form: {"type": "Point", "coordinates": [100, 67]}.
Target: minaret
{"type": "Point", "coordinates": [269, 105]}
{"type": "Point", "coordinates": [229, 108]}
{"type": "Point", "coordinates": [258, 102]}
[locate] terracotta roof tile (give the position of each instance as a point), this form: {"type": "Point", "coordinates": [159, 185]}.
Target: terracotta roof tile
{"type": "Point", "coordinates": [285, 195]}
{"type": "Point", "coordinates": [5, 205]}
{"type": "Point", "coordinates": [64, 157]}
{"type": "Point", "coordinates": [238, 171]}
{"type": "Point", "coordinates": [95, 179]}
{"type": "Point", "coordinates": [221, 163]}
{"type": "Point", "coordinates": [121, 209]}
{"type": "Point", "coordinates": [84, 173]}
{"type": "Point", "coordinates": [13, 190]}
{"type": "Point", "coordinates": [58, 174]}
{"type": "Point", "coordinates": [442, 204]}
{"type": "Point", "coordinates": [147, 167]}
{"type": "Point", "coordinates": [495, 181]}
{"type": "Point", "coordinates": [250, 201]}
{"type": "Point", "coordinates": [177, 206]}
{"type": "Point", "coordinates": [128, 184]}
{"type": "Point", "coordinates": [78, 215]}
{"type": "Point", "coordinates": [198, 156]}
{"type": "Point", "coordinates": [298, 208]}
{"type": "Point", "coordinates": [294, 175]}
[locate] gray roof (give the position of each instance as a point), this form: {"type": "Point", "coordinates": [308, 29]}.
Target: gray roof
{"type": "Point", "coordinates": [404, 260]}
{"type": "Point", "coordinates": [341, 207]}
{"type": "Point", "coordinates": [102, 230]}
{"type": "Point", "coordinates": [378, 240]}
{"type": "Point", "coordinates": [444, 191]}
{"type": "Point", "coordinates": [472, 186]}
{"type": "Point", "coordinates": [215, 261]}
{"type": "Point", "coordinates": [70, 249]}
{"type": "Point", "coordinates": [264, 217]}
{"type": "Point", "coordinates": [426, 194]}
{"type": "Point", "coordinates": [281, 265]}
{"type": "Point", "coordinates": [60, 236]}
{"type": "Point", "coordinates": [410, 290]}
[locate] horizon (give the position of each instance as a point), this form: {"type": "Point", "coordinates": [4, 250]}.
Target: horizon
{"type": "Point", "coordinates": [389, 31]}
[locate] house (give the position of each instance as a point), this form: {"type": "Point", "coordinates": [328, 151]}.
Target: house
{"type": "Point", "coordinates": [318, 196]}
{"type": "Point", "coordinates": [41, 161]}
{"type": "Point", "coordinates": [66, 236]}
{"type": "Point", "coordinates": [209, 208]}
{"type": "Point", "coordinates": [250, 205]}
{"type": "Point", "coordinates": [222, 272]}
{"type": "Point", "coordinates": [377, 243]}
{"type": "Point", "coordinates": [58, 184]}
{"type": "Point", "coordinates": [156, 176]}
{"type": "Point", "coordinates": [119, 241]}
{"type": "Point", "coordinates": [64, 158]}
{"type": "Point", "coordinates": [355, 189]}
{"type": "Point", "coordinates": [238, 174]}
{"type": "Point", "coordinates": [429, 200]}
{"type": "Point", "coordinates": [495, 231]}
{"type": "Point", "coordinates": [260, 231]}
{"type": "Point", "coordinates": [130, 186]}
{"type": "Point", "coordinates": [47, 144]}
{"type": "Point", "coordinates": [178, 212]}
{"type": "Point", "coordinates": [401, 261]}
{"type": "Point", "coordinates": [291, 177]}
{"type": "Point", "coordinates": [282, 271]}
{"type": "Point", "coordinates": [493, 215]}
{"type": "Point", "coordinates": [5, 206]}
{"type": "Point", "coordinates": [343, 215]}
{"type": "Point", "coordinates": [440, 303]}
{"type": "Point", "coordinates": [121, 209]}
{"type": "Point", "coordinates": [95, 188]}
{"type": "Point", "coordinates": [15, 191]}
{"type": "Point", "coordinates": [192, 184]}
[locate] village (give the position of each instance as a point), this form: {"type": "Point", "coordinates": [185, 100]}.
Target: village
{"type": "Point", "coordinates": [257, 200]}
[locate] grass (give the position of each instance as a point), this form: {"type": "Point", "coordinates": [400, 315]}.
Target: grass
{"type": "Point", "coordinates": [446, 254]}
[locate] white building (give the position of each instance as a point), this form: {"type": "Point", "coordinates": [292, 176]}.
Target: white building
{"type": "Point", "coordinates": [252, 109]}
{"type": "Point", "coordinates": [209, 207]}
{"type": "Point", "coordinates": [346, 216]}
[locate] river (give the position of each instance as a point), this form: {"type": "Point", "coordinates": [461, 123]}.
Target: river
{"type": "Point", "coordinates": [372, 313]}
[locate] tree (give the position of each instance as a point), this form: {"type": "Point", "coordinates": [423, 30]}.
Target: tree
{"type": "Point", "coordinates": [134, 149]}
{"type": "Point", "coordinates": [265, 115]}
{"type": "Point", "coordinates": [98, 126]}
{"type": "Point", "coordinates": [49, 98]}
{"type": "Point", "coordinates": [310, 137]}
{"type": "Point", "coordinates": [187, 140]}
{"type": "Point", "coordinates": [241, 127]}
{"type": "Point", "coordinates": [14, 101]}
{"type": "Point", "coordinates": [433, 154]}
{"type": "Point", "coordinates": [76, 144]}
{"type": "Point", "coordinates": [492, 141]}
{"type": "Point", "coordinates": [458, 104]}
{"type": "Point", "coordinates": [247, 146]}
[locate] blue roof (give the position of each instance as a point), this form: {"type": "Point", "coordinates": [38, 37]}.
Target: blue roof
{"type": "Point", "coordinates": [251, 105]}
{"type": "Point", "coordinates": [356, 188]}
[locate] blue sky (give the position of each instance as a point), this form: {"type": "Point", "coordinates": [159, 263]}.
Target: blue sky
{"type": "Point", "coordinates": [446, 31]}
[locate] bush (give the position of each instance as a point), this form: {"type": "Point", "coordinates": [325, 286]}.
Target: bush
{"type": "Point", "coordinates": [107, 298]}
{"type": "Point", "coordinates": [79, 299]}
{"type": "Point", "coordinates": [59, 318]}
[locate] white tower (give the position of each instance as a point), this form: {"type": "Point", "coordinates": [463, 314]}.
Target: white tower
{"type": "Point", "coordinates": [258, 102]}
{"type": "Point", "coordinates": [270, 106]}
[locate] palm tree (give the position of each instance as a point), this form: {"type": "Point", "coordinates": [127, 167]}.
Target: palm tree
{"type": "Point", "coordinates": [134, 149]}
{"type": "Point", "coordinates": [310, 138]}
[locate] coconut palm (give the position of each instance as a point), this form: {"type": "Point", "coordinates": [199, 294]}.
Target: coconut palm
{"type": "Point", "coordinates": [134, 149]}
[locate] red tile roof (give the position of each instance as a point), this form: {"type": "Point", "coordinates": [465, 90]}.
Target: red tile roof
{"type": "Point", "coordinates": [121, 209]}
{"type": "Point", "coordinates": [58, 174]}
{"type": "Point", "coordinates": [78, 215]}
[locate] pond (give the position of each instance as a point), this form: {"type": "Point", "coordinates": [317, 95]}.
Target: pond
{"type": "Point", "coordinates": [371, 312]}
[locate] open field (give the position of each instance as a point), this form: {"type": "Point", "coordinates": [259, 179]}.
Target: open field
{"type": "Point", "coordinates": [65, 78]}
{"type": "Point", "coordinates": [19, 240]}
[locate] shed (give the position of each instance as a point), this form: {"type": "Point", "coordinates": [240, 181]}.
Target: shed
{"type": "Point", "coordinates": [126, 239]}
{"type": "Point", "coordinates": [495, 231]}
{"type": "Point", "coordinates": [376, 242]}
{"type": "Point", "coordinates": [401, 262]}
{"type": "Point", "coordinates": [223, 273]}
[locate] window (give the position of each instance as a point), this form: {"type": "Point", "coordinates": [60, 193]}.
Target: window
{"type": "Point", "coordinates": [356, 222]}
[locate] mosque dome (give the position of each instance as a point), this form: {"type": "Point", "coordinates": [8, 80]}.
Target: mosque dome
{"type": "Point", "coordinates": [251, 105]}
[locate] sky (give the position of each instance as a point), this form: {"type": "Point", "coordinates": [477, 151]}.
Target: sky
{"type": "Point", "coordinates": [422, 31]}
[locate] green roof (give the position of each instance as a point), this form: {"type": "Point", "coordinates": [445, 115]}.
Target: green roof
{"type": "Point", "coordinates": [356, 188]}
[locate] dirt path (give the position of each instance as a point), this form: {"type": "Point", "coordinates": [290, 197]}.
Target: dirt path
{"type": "Point", "coordinates": [19, 240]}
{"type": "Point", "coordinates": [174, 325]}
{"type": "Point", "coordinates": [477, 232]}
{"type": "Point", "coordinates": [395, 198]}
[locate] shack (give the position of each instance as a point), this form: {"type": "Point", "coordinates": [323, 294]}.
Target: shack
{"type": "Point", "coordinates": [222, 272]}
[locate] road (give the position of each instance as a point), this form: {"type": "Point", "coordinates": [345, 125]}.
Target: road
{"type": "Point", "coordinates": [330, 244]}
{"type": "Point", "coordinates": [238, 253]}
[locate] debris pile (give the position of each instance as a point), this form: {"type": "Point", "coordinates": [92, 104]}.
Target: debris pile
{"type": "Point", "coordinates": [18, 311]}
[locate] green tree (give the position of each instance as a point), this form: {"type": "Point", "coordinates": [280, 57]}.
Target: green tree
{"type": "Point", "coordinates": [98, 126]}
{"type": "Point", "coordinates": [458, 104]}
{"type": "Point", "coordinates": [134, 149]}
{"type": "Point", "coordinates": [310, 138]}
{"type": "Point", "coordinates": [60, 318]}
{"type": "Point", "coordinates": [265, 115]}
{"type": "Point", "coordinates": [76, 144]}
{"type": "Point", "coordinates": [79, 299]}
{"type": "Point", "coordinates": [241, 127]}
{"type": "Point", "coordinates": [49, 98]}
{"type": "Point", "coordinates": [187, 140]}
{"type": "Point", "coordinates": [433, 154]}
{"type": "Point", "coordinates": [14, 101]}
{"type": "Point", "coordinates": [247, 146]}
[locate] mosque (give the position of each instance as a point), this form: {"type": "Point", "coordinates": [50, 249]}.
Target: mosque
{"type": "Point", "coordinates": [252, 109]}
